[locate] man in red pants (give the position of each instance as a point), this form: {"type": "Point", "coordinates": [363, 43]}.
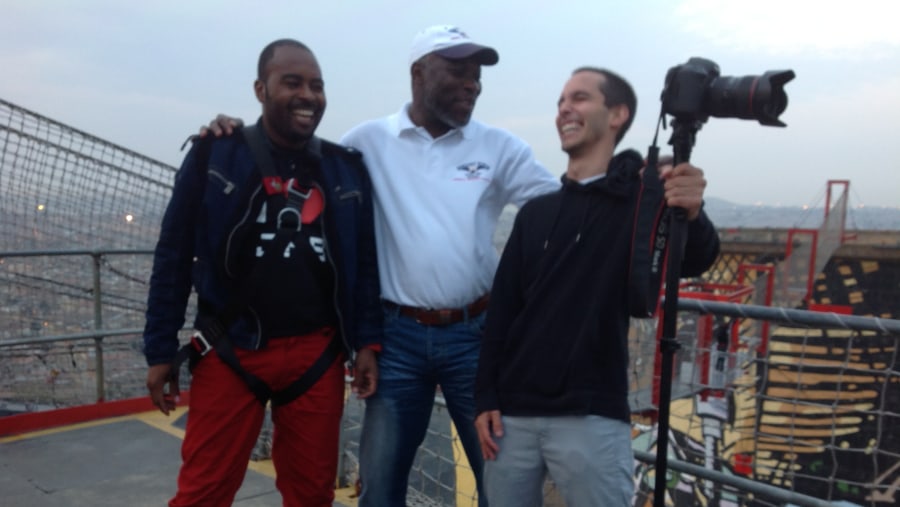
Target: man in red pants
{"type": "Point", "coordinates": [273, 229]}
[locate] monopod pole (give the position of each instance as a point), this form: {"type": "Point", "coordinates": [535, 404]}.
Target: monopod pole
{"type": "Point", "coordinates": [682, 141]}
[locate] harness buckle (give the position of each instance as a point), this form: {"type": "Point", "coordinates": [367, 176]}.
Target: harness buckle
{"type": "Point", "coordinates": [198, 341]}
{"type": "Point", "coordinates": [289, 217]}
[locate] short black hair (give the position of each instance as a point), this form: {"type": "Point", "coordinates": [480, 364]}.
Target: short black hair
{"type": "Point", "coordinates": [269, 51]}
{"type": "Point", "coordinates": [617, 92]}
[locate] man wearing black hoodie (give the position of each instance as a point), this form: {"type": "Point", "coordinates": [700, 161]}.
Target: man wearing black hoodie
{"type": "Point", "coordinates": [552, 386]}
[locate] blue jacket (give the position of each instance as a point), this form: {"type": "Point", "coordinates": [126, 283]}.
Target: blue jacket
{"type": "Point", "coordinates": [202, 211]}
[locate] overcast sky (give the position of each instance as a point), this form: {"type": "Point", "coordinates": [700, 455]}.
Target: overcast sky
{"type": "Point", "coordinates": [147, 74]}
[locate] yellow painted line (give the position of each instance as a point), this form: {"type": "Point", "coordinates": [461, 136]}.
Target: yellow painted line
{"type": "Point", "coordinates": [466, 490]}
{"type": "Point", "coordinates": [346, 496]}
{"type": "Point", "coordinates": [164, 423]}
{"type": "Point", "coordinates": [158, 420]}
{"type": "Point", "coordinates": [264, 467]}
{"type": "Point", "coordinates": [61, 429]}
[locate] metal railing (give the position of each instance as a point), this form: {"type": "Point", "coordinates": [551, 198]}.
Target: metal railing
{"type": "Point", "coordinates": [74, 317]}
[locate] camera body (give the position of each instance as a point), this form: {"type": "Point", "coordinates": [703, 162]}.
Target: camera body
{"type": "Point", "coordinates": [695, 90]}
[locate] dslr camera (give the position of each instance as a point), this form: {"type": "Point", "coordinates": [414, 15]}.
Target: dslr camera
{"type": "Point", "coordinates": [694, 91]}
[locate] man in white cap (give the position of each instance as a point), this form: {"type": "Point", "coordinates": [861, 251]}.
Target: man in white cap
{"type": "Point", "coordinates": [441, 180]}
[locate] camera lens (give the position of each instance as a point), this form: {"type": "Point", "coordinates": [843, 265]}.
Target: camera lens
{"type": "Point", "coordinates": [760, 98]}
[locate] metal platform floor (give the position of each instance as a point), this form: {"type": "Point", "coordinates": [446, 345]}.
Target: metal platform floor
{"type": "Point", "coordinates": [131, 460]}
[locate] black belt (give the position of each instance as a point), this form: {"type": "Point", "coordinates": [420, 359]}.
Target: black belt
{"type": "Point", "coordinates": [442, 317]}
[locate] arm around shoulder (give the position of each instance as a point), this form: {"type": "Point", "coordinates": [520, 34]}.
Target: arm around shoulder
{"type": "Point", "coordinates": [524, 177]}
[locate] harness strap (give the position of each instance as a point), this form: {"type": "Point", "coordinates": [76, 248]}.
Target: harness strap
{"type": "Point", "coordinates": [264, 162]}
{"type": "Point", "coordinates": [214, 338]}
{"type": "Point", "coordinates": [224, 349]}
{"type": "Point", "coordinates": [310, 376]}
{"type": "Point", "coordinates": [215, 335]}
{"type": "Point", "coordinates": [285, 201]}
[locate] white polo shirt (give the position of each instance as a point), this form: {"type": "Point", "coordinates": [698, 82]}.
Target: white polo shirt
{"type": "Point", "coordinates": [437, 202]}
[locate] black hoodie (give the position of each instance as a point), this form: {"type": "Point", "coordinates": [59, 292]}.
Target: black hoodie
{"type": "Point", "coordinates": [556, 336]}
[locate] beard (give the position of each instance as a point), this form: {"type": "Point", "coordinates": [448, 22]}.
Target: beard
{"type": "Point", "coordinates": [280, 118]}
{"type": "Point", "coordinates": [443, 112]}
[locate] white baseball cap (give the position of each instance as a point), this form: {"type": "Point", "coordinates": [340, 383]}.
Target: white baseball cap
{"type": "Point", "coordinates": [450, 42]}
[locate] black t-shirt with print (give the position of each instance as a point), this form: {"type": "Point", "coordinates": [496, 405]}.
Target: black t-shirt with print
{"type": "Point", "coordinates": [284, 274]}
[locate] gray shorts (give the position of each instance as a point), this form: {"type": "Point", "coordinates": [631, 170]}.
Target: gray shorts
{"type": "Point", "coordinates": [589, 459]}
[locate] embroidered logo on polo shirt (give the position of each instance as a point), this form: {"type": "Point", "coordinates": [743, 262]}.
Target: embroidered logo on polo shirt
{"type": "Point", "coordinates": [473, 170]}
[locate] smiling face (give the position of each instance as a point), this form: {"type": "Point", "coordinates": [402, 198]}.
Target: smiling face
{"type": "Point", "coordinates": [444, 92]}
{"type": "Point", "coordinates": [583, 120]}
{"type": "Point", "coordinates": [292, 95]}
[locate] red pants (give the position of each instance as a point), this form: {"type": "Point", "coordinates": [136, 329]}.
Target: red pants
{"type": "Point", "coordinates": [224, 421]}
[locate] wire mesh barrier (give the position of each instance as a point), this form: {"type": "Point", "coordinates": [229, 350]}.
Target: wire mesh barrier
{"type": "Point", "coordinates": [440, 476]}
{"type": "Point", "coordinates": [810, 410]}
{"type": "Point", "coordinates": [65, 189]}
{"type": "Point", "coordinates": [70, 325]}
{"type": "Point", "coordinates": [62, 189]}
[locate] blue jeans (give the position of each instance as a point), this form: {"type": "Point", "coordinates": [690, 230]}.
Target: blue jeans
{"type": "Point", "coordinates": [415, 359]}
{"type": "Point", "coordinates": [588, 457]}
